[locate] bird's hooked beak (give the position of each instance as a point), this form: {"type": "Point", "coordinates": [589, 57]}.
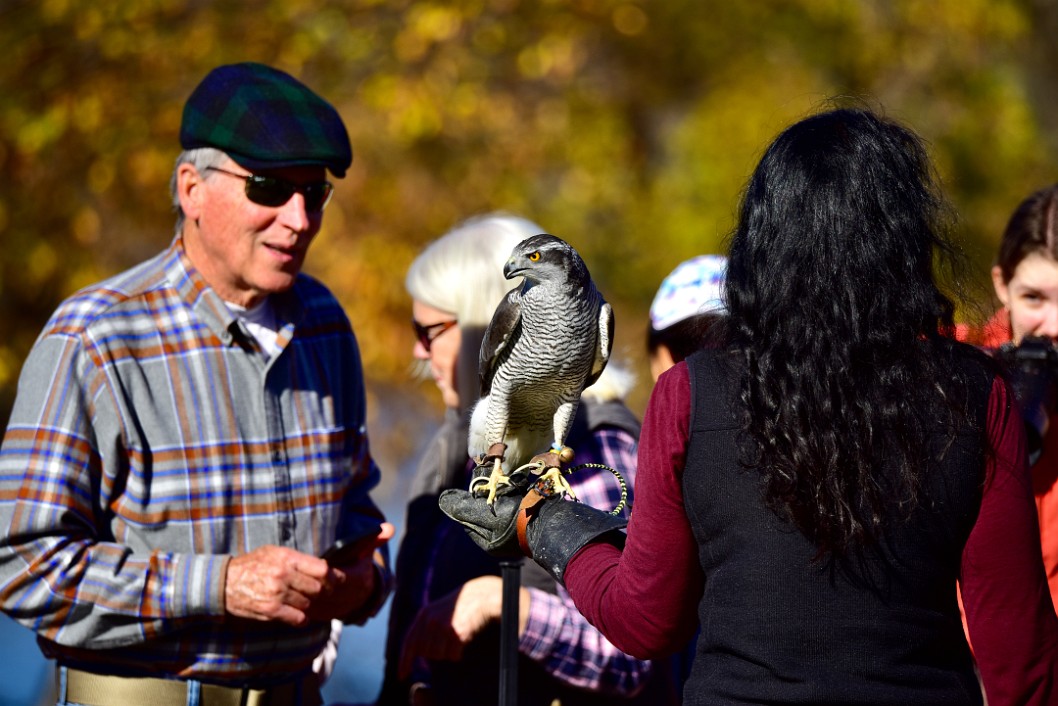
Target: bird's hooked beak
{"type": "Point", "coordinates": [512, 269]}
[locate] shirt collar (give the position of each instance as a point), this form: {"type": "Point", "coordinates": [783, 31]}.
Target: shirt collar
{"type": "Point", "coordinates": [196, 293]}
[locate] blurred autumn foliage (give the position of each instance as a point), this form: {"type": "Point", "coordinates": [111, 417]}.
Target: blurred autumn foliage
{"type": "Point", "coordinates": [626, 127]}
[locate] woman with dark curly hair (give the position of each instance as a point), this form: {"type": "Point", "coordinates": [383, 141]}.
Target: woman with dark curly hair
{"type": "Point", "coordinates": [813, 485]}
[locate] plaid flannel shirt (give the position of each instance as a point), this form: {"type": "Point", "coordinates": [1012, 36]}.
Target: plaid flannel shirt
{"type": "Point", "coordinates": [556, 635]}
{"type": "Point", "coordinates": [150, 441]}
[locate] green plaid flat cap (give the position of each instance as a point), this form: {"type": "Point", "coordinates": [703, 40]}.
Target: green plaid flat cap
{"type": "Point", "coordinates": [264, 118]}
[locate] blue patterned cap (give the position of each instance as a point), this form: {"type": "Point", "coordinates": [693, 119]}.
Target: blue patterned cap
{"type": "Point", "coordinates": [694, 287]}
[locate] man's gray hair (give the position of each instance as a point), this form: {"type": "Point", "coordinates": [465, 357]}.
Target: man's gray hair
{"type": "Point", "coordinates": [200, 158]}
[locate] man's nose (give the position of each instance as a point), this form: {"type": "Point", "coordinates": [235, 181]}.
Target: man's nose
{"type": "Point", "coordinates": [294, 214]}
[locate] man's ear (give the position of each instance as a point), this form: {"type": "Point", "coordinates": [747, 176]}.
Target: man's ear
{"type": "Point", "coordinates": [1000, 285]}
{"type": "Point", "coordinates": [189, 184]}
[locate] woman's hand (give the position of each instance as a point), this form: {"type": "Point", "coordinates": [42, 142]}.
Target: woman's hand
{"type": "Point", "coordinates": [443, 628]}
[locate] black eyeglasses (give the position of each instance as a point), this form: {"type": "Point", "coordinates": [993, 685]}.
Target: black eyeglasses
{"type": "Point", "coordinates": [273, 191]}
{"type": "Point", "coordinates": [427, 334]}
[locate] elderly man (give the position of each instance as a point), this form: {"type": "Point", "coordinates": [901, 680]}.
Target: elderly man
{"type": "Point", "coordinates": [189, 436]}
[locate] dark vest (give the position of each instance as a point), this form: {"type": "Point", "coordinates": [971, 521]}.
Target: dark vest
{"type": "Point", "coordinates": [781, 627]}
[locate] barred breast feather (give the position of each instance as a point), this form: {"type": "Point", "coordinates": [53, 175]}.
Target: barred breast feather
{"type": "Point", "coordinates": [548, 340]}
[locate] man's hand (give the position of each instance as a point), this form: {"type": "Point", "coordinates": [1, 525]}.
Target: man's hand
{"type": "Point", "coordinates": [443, 628]}
{"type": "Point", "coordinates": [283, 584]}
{"type": "Point", "coordinates": [352, 584]}
{"type": "Point", "coordinates": [274, 583]}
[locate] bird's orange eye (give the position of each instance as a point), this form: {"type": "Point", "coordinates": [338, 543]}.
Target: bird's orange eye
{"type": "Point", "coordinates": [533, 257]}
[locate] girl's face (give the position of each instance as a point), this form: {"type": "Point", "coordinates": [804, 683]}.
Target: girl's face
{"type": "Point", "coordinates": [1031, 296]}
{"type": "Point", "coordinates": [443, 353]}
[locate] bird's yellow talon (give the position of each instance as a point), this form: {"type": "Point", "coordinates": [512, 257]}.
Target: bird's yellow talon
{"type": "Point", "coordinates": [552, 483]}
{"type": "Point", "coordinates": [491, 484]}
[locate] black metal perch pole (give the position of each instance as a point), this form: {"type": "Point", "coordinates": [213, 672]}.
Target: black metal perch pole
{"type": "Point", "coordinates": [510, 572]}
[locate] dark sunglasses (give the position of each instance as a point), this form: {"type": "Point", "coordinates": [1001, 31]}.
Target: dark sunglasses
{"type": "Point", "coordinates": [427, 334]}
{"type": "Point", "coordinates": [272, 191]}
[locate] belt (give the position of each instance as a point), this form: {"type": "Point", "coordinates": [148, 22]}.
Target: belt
{"type": "Point", "coordinates": [99, 690]}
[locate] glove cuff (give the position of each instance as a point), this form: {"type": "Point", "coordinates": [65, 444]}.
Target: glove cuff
{"type": "Point", "coordinates": [527, 510]}
{"type": "Point", "coordinates": [553, 530]}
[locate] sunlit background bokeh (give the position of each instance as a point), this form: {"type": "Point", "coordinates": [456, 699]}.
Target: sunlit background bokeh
{"type": "Point", "coordinates": [626, 127]}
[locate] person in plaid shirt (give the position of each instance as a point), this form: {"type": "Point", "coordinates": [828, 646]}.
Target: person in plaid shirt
{"type": "Point", "coordinates": [444, 622]}
{"type": "Point", "coordinates": [189, 436]}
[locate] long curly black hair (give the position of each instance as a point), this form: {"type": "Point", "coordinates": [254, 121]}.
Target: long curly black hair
{"type": "Point", "coordinates": [841, 325]}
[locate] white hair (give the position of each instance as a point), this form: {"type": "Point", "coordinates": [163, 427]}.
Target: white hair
{"type": "Point", "coordinates": [462, 271]}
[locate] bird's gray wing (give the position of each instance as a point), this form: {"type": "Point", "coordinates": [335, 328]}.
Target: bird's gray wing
{"type": "Point", "coordinates": [499, 336]}
{"type": "Point", "coordinates": [602, 351]}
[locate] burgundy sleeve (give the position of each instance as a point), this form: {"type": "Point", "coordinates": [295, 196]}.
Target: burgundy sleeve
{"type": "Point", "coordinates": [644, 599]}
{"type": "Point", "coordinates": [1009, 614]}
